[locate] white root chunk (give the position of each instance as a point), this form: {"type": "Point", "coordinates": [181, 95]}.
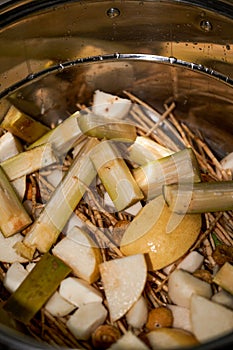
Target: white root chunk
{"type": "Point", "coordinates": [190, 263]}
{"type": "Point", "coordinates": [14, 276]}
{"type": "Point", "coordinates": [7, 251]}
{"type": "Point", "coordinates": [224, 298]}
{"type": "Point", "coordinates": [79, 252]}
{"type": "Point", "coordinates": [128, 341]}
{"type": "Point", "coordinates": [79, 292]}
{"type": "Point", "coordinates": [86, 319]}
{"type": "Point", "coordinates": [123, 281]}
{"type": "Point", "coordinates": [9, 146]}
{"type": "Point", "coordinates": [111, 106]}
{"type": "Point", "coordinates": [58, 306]}
{"type": "Point", "coordinates": [137, 315]}
{"type": "Point", "coordinates": [181, 317]}
{"type": "Point", "coordinates": [209, 320]}
{"type": "Point", "coordinates": [182, 285]}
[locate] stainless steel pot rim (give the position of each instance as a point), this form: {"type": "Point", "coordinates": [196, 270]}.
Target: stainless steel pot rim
{"type": "Point", "coordinates": [12, 10]}
{"type": "Point", "coordinates": [115, 57]}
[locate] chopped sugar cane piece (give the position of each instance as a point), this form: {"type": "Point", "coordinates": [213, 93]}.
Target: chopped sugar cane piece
{"type": "Point", "coordinates": [27, 162]}
{"type": "Point", "coordinates": [106, 128]}
{"type": "Point", "coordinates": [13, 216]}
{"type": "Point", "coordinates": [62, 137]}
{"type": "Point", "coordinates": [145, 150]}
{"type": "Point", "coordinates": [23, 126]}
{"type": "Point", "coordinates": [115, 175]}
{"type": "Point", "coordinates": [47, 227]}
{"type": "Point", "coordinates": [36, 288]}
{"type": "Point", "coordinates": [111, 106]}
{"type": "Point", "coordinates": [200, 197]}
{"type": "Point", "coordinates": [9, 146]}
{"type": "Point", "coordinates": [178, 168]}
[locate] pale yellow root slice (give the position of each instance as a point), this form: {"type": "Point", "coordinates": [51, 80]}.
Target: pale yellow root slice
{"type": "Point", "coordinates": [160, 234]}
{"type": "Point", "coordinates": [123, 281]}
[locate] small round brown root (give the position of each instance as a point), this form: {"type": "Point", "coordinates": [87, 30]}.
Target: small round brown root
{"type": "Point", "coordinates": [159, 317]}
{"type": "Point", "coordinates": [204, 275]}
{"type": "Point", "coordinates": [119, 230]}
{"type": "Point", "coordinates": [222, 254]}
{"type": "Point", "coordinates": [104, 336]}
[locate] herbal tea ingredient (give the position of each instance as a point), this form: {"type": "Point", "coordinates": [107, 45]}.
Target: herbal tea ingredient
{"type": "Point", "coordinates": [129, 214]}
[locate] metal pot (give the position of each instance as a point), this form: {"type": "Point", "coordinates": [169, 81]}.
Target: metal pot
{"type": "Point", "coordinates": [160, 50]}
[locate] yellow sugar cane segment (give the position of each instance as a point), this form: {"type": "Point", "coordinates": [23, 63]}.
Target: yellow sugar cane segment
{"type": "Point", "coordinates": [13, 216]}
{"type": "Point", "coordinates": [47, 227]}
{"type": "Point", "coordinates": [23, 126]}
{"type": "Point", "coordinates": [115, 175]}
{"type": "Point", "coordinates": [145, 150]}
{"type": "Point", "coordinates": [63, 136]}
{"type": "Point", "coordinates": [37, 288]}
{"type": "Point", "coordinates": [179, 167]}
{"type": "Point", "coordinates": [106, 128]}
{"type": "Point", "coordinates": [200, 197]}
{"type": "Point", "coordinates": [27, 162]}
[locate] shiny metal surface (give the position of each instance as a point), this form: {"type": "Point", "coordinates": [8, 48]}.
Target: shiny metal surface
{"type": "Point", "coordinates": [167, 50]}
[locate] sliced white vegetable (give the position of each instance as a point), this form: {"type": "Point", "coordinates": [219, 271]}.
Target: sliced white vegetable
{"type": "Point", "coordinates": [9, 146]}
{"type": "Point", "coordinates": [111, 106]}
{"type": "Point", "coordinates": [137, 315]}
{"type": "Point", "coordinates": [134, 209]}
{"type": "Point", "coordinates": [190, 263]}
{"type": "Point", "coordinates": [224, 277]}
{"type": "Point", "coordinates": [80, 252]}
{"type": "Point", "coordinates": [58, 306]}
{"type": "Point", "coordinates": [170, 338]}
{"type": "Point", "coordinates": [14, 277]}
{"type": "Point", "coordinates": [209, 320]}
{"type": "Point", "coordinates": [181, 317]}
{"type": "Point", "coordinates": [181, 286]}
{"type": "Point", "coordinates": [19, 186]}
{"type": "Point", "coordinates": [123, 281]}
{"type": "Point", "coordinates": [227, 162]}
{"type": "Point", "coordinates": [79, 292]}
{"type": "Point", "coordinates": [7, 251]}
{"type": "Point", "coordinates": [86, 319]}
{"type": "Point", "coordinates": [30, 266]}
{"type": "Point", "coordinates": [128, 341]}
{"type": "Point", "coordinates": [223, 298]}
